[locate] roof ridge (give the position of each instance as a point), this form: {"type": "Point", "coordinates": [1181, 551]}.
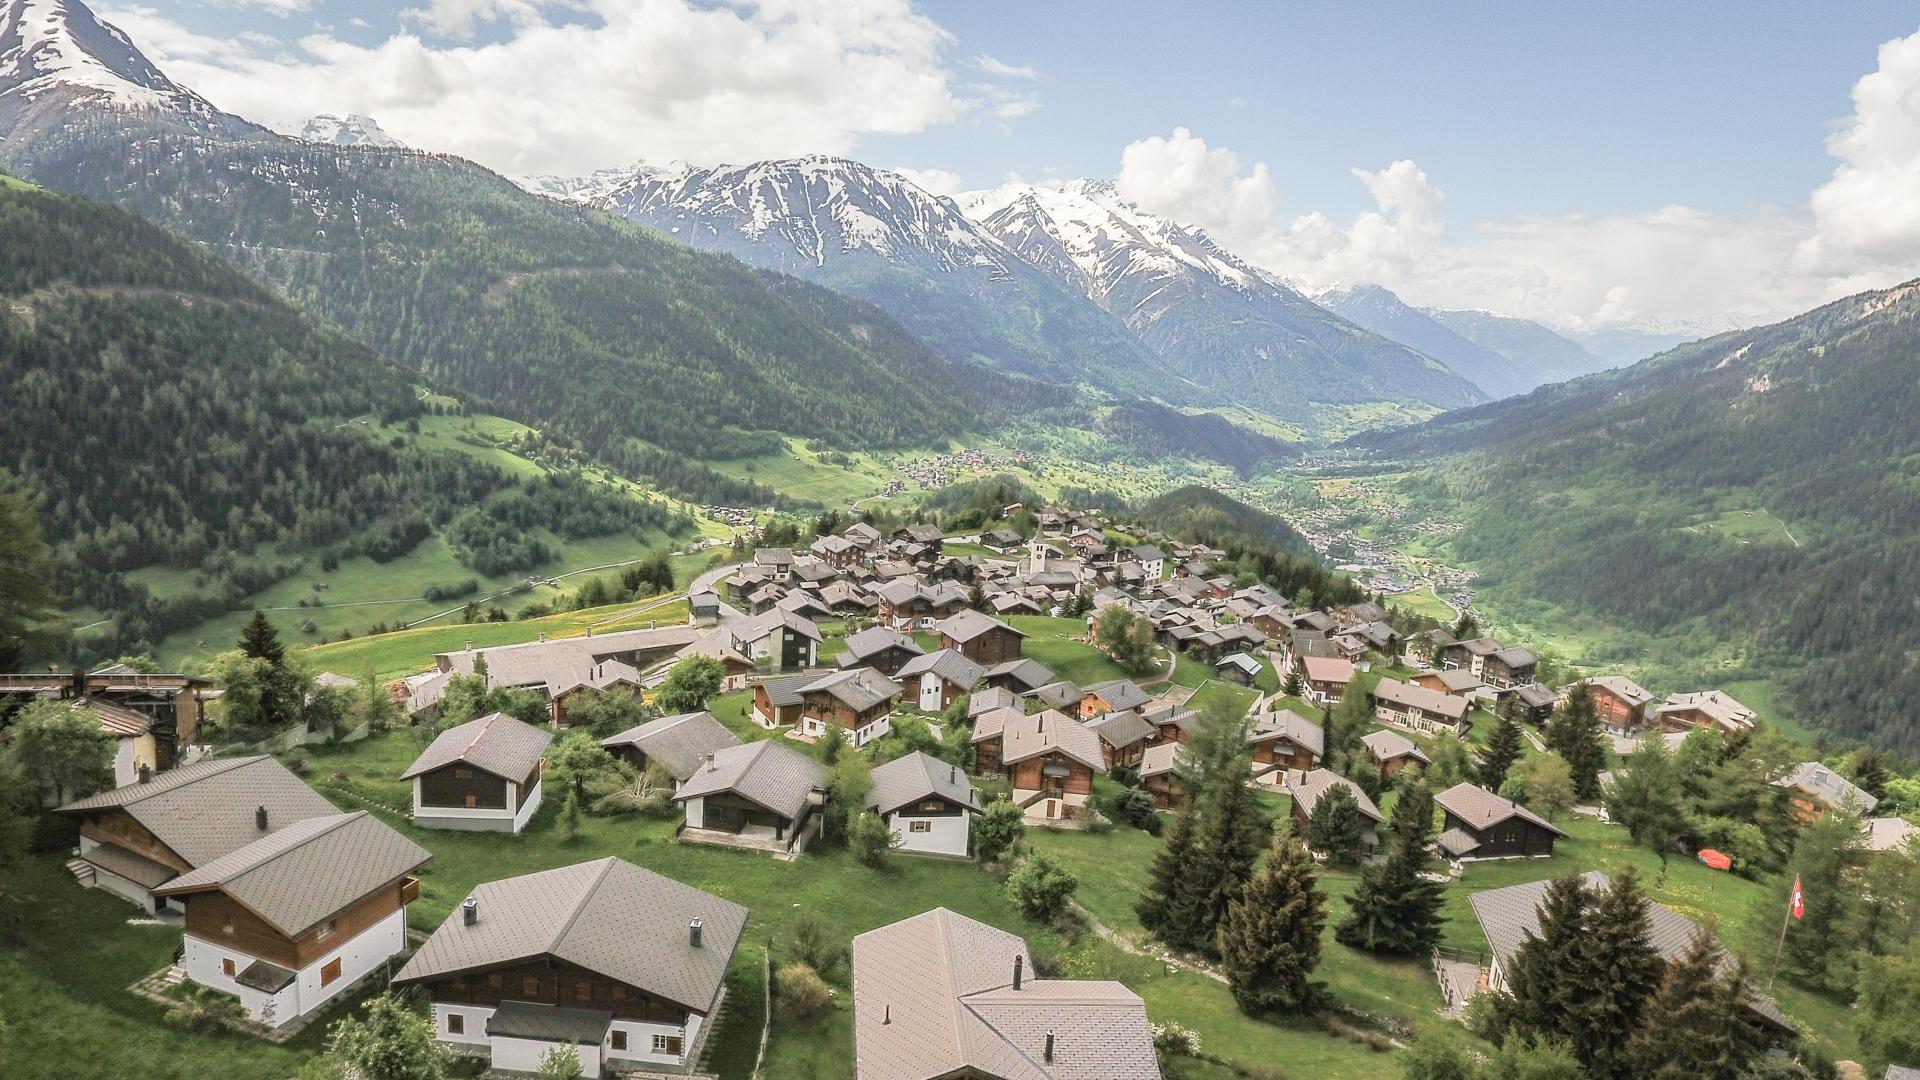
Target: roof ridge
{"type": "Point", "coordinates": [606, 867]}
{"type": "Point", "coordinates": [230, 765]}
{"type": "Point", "coordinates": [334, 822]}
{"type": "Point", "coordinates": [481, 734]}
{"type": "Point", "coordinates": [943, 921]}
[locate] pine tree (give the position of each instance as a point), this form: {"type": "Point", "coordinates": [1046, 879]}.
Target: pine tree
{"type": "Point", "coordinates": [261, 641]}
{"type": "Point", "coordinates": [1698, 1026]}
{"type": "Point", "coordinates": [1546, 977]}
{"type": "Point", "coordinates": [1294, 684]}
{"type": "Point", "coordinates": [1395, 908]}
{"type": "Point", "coordinates": [1870, 771]}
{"type": "Point", "coordinates": [26, 577]}
{"type": "Point", "coordinates": [1413, 814]}
{"type": "Point", "coordinates": [1574, 733]}
{"type": "Point", "coordinates": [1269, 938]}
{"type": "Point", "coordinates": [1234, 830]}
{"type": "Point", "coordinates": [1337, 829]}
{"type": "Point", "coordinates": [1502, 749]}
{"type": "Point", "coordinates": [1167, 909]}
{"type": "Point", "coordinates": [1623, 971]}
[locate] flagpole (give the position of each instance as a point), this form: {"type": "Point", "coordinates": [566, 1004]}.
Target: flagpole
{"type": "Point", "coordinates": [1782, 944]}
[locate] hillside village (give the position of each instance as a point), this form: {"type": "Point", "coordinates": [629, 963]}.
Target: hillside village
{"type": "Point", "coordinates": [1000, 703]}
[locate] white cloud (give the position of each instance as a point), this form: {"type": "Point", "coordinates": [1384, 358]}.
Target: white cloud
{"type": "Point", "coordinates": [457, 18]}
{"type": "Point", "coordinates": [653, 79]}
{"type": "Point", "coordinates": [282, 8]}
{"type": "Point", "coordinates": [1003, 70]}
{"type": "Point", "coordinates": [1236, 102]}
{"type": "Point", "coordinates": [1674, 266]}
{"type": "Point", "coordinates": [933, 181]}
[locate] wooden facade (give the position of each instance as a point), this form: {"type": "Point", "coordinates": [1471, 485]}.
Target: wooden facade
{"type": "Point", "coordinates": [214, 916]}
{"type": "Point", "coordinates": [986, 755]}
{"type": "Point", "coordinates": [458, 784]}
{"type": "Point", "coordinates": [1051, 771]}
{"type": "Point", "coordinates": [1513, 836]}
{"type": "Point", "coordinates": [117, 828]}
{"type": "Point", "coordinates": [995, 645]}
{"type": "Point", "coordinates": [1283, 753]}
{"type": "Point", "coordinates": [549, 981]}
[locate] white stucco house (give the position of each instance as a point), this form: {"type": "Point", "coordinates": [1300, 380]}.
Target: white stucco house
{"type": "Point", "coordinates": [928, 803]}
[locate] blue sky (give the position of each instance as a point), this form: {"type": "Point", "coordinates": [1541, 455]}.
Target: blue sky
{"type": "Point", "coordinates": [1515, 120]}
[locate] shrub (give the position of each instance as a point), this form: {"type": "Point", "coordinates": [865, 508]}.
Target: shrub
{"type": "Point", "coordinates": [1041, 887]}
{"type": "Point", "coordinates": [870, 840]}
{"type": "Point", "coordinates": [1172, 1038]}
{"type": "Point", "coordinates": [813, 945]}
{"type": "Point", "coordinates": [801, 990]}
{"type": "Point", "coordinates": [202, 1011]}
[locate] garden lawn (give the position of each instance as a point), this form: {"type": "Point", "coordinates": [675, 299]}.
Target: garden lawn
{"type": "Point", "coordinates": [1055, 643]}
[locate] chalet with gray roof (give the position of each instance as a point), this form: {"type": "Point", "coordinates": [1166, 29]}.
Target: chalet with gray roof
{"type": "Point", "coordinates": [1051, 760]}
{"type": "Point", "coordinates": [1124, 737]}
{"type": "Point", "coordinates": [1392, 751]}
{"type": "Point", "coordinates": [853, 700]}
{"type": "Point", "coordinates": [481, 775]}
{"type": "Point", "coordinates": [980, 637]}
{"type": "Point", "coordinates": [928, 803]}
{"type": "Point", "coordinates": [1509, 916]}
{"type": "Point", "coordinates": [1285, 745]}
{"type": "Point", "coordinates": [619, 964]}
{"type": "Point", "coordinates": [1019, 676]}
{"type": "Point", "coordinates": [137, 838]}
{"type": "Point", "coordinates": [299, 915]}
{"type": "Point", "coordinates": [1308, 791]}
{"type": "Point", "coordinates": [1714, 710]}
{"type": "Point", "coordinates": [778, 640]}
{"type": "Point", "coordinates": [1160, 775]}
{"type": "Point", "coordinates": [1420, 710]}
{"type": "Point", "coordinates": [1532, 703]}
{"type": "Point", "coordinates": [881, 648]}
{"type": "Point", "coordinates": [938, 679]}
{"type": "Point", "coordinates": [779, 702]}
{"type": "Point", "coordinates": [1813, 790]}
{"type": "Point", "coordinates": [679, 744]}
{"type": "Point", "coordinates": [1238, 668]}
{"type": "Point", "coordinates": [1061, 695]}
{"type": "Point", "coordinates": [1621, 703]}
{"type": "Point", "coordinates": [758, 795]}
{"type": "Point", "coordinates": [940, 996]}
{"type": "Point", "coordinates": [1482, 825]}
{"type": "Point", "coordinates": [1116, 695]}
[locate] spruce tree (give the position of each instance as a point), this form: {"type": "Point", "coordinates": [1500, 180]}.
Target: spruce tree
{"type": "Point", "coordinates": [1337, 829]}
{"type": "Point", "coordinates": [1413, 814]}
{"type": "Point", "coordinates": [1574, 733]}
{"type": "Point", "coordinates": [1622, 971]}
{"type": "Point", "coordinates": [1166, 908]}
{"type": "Point", "coordinates": [1502, 749]}
{"type": "Point", "coordinates": [1269, 938]}
{"type": "Point", "coordinates": [1546, 978]}
{"type": "Point", "coordinates": [1697, 1025]}
{"type": "Point", "coordinates": [26, 577]}
{"type": "Point", "coordinates": [1233, 830]}
{"type": "Point", "coordinates": [1395, 908]}
{"type": "Point", "coordinates": [260, 641]}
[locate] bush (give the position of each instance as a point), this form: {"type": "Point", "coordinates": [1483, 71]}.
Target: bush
{"type": "Point", "coordinates": [1135, 807]}
{"type": "Point", "coordinates": [998, 828]}
{"type": "Point", "coordinates": [813, 945]}
{"type": "Point", "coordinates": [203, 1011]}
{"type": "Point", "coordinates": [1171, 1038]}
{"type": "Point", "coordinates": [801, 990]}
{"type": "Point", "coordinates": [1041, 887]}
{"type": "Point", "coordinates": [870, 840]}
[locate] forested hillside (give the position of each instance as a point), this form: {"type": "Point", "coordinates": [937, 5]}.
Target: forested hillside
{"type": "Point", "coordinates": [1258, 543]}
{"type": "Point", "coordinates": [1154, 431]}
{"type": "Point", "coordinates": [169, 412]}
{"type": "Point", "coordinates": [550, 314]}
{"type": "Point", "coordinates": [1761, 486]}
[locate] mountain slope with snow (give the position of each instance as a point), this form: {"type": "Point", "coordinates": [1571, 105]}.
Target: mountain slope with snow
{"type": "Point", "coordinates": [1229, 327]}
{"type": "Point", "coordinates": [350, 130]}
{"type": "Point", "coordinates": [875, 235]}
{"type": "Point", "coordinates": [55, 53]}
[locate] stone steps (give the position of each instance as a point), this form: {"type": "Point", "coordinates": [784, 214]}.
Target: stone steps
{"type": "Point", "coordinates": [82, 872]}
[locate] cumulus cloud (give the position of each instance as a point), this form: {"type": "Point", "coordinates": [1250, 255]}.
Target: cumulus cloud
{"type": "Point", "coordinates": [933, 181]}
{"type": "Point", "coordinates": [652, 79]}
{"type": "Point", "coordinates": [282, 8]}
{"type": "Point", "coordinates": [1672, 266]}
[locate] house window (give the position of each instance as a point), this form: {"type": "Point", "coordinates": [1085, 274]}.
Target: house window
{"type": "Point", "coordinates": [226, 966]}
{"type": "Point", "coordinates": [331, 972]}
{"type": "Point", "coordinates": [530, 985]}
{"type": "Point", "coordinates": [473, 800]}
{"type": "Point", "coordinates": [920, 826]}
{"type": "Point", "coordinates": [327, 929]}
{"type": "Point", "coordinates": [619, 1040]}
{"type": "Point", "coordinates": [667, 1044]}
{"type": "Point", "coordinates": [456, 1024]}
{"type": "Point", "coordinates": [463, 774]}
{"type": "Point", "coordinates": [582, 992]}
{"type": "Point", "coordinates": [226, 923]}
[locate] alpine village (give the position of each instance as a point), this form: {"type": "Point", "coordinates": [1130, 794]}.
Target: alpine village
{"type": "Point", "coordinates": [774, 621]}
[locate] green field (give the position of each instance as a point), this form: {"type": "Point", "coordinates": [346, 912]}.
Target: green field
{"type": "Point", "coordinates": [1051, 642]}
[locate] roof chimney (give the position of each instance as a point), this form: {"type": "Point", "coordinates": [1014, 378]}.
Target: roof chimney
{"type": "Point", "coordinates": [146, 772]}
{"type": "Point", "coordinates": [1047, 1055]}
{"type": "Point", "coordinates": [260, 818]}
{"type": "Point", "coordinates": [1019, 965]}
{"type": "Point", "coordinates": [710, 765]}
{"type": "Point", "coordinates": [693, 932]}
{"type": "Point", "coordinates": [953, 774]}
{"type": "Point", "coordinates": [469, 911]}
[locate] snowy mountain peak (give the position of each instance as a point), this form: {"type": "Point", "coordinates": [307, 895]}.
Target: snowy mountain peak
{"type": "Point", "coordinates": [49, 46]}
{"type": "Point", "coordinates": [818, 206]}
{"type": "Point", "coordinates": [351, 130]}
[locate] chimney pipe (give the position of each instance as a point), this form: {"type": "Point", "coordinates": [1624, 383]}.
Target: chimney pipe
{"type": "Point", "coordinates": [469, 911]}
{"type": "Point", "coordinates": [260, 818]}
{"type": "Point", "coordinates": [146, 772]}
{"type": "Point", "coordinates": [1047, 1055]}
{"type": "Point", "coordinates": [1019, 965]}
{"type": "Point", "coordinates": [693, 932]}
{"type": "Point", "coordinates": [887, 1016]}
{"type": "Point", "coordinates": [710, 763]}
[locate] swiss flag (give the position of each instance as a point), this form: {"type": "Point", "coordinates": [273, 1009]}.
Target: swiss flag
{"type": "Point", "coordinates": [1798, 904]}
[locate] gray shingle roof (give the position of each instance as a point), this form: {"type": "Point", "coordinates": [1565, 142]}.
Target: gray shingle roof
{"type": "Point", "coordinates": [1482, 809]}
{"type": "Point", "coordinates": [1031, 736]}
{"type": "Point", "coordinates": [964, 626]}
{"type": "Point", "coordinates": [1118, 729]}
{"type": "Point", "coordinates": [1058, 695]}
{"type": "Point", "coordinates": [1828, 786]}
{"type": "Point", "coordinates": [1289, 725]}
{"type": "Point", "coordinates": [993, 697]}
{"type": "Point", "coordinates": [785, 691]}
{"type": "Point", "coordinates": [205, 810]}
{"type": "Point", "coordinates": [765, 772]}
{"type": "Point", "coordinates": [1120, 693]}
{"type": "Point", "coordinates": [1385, 746]}
{"type": "Point", "coordinates": [1410, 696]}
{"type": "Point", "coordinates": [918, 776]}
{"type": "Point", "coordinates": [1162, 758]}
{"type": "Point", "coordinates": [608, 916]}
{"type": "Point", "coordinates": [877, 639]}
{"type": "Point", "coordinates": [1308, 790]}
{"type": "Point", "coordinates": [948, 664]}
{"type": "Point", "coordinates": [549, 1023]}
{"type": "Point", "coordinates": [566, 661]}
{"type": "Point", "coordinates": [933, 997]}
{"type": "Point", "coordinates": [1508, 916]}
{"type": "Point", "coordinates": [495, 743]}
{"type": "Point", "coordinates": [678, 742]}
{"type": "Point", "coordinates": [305, 872]}
{"type": "Point", "coordinates": [858, 689]}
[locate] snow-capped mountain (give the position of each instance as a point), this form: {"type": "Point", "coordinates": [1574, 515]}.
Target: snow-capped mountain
{"type": "Point", "coordinates": [595, 185]}
{"type": "Point", "coordinates": [1215, 318]}
{"type": "Point", "coordinates": [57, 52]}
{"type": "Point", "coordinates": [877, 236]}
{"type": "Point", "coordinates": [350, 130]}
